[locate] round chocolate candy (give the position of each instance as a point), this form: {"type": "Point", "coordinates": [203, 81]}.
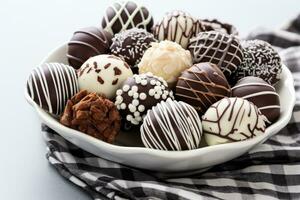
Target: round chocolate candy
{"type": "Point", "coordinates": [103, 74]}
{"type": "Point", "coordinates": [261, 94]}
{"type": "Point", "coordinates": [86, 43]}
{"type": "Point", "coordinates": [138, 94]}
{"type": "Point", "coordinates": [260, 60]}
{"type": "Point", "coordinates": [202, 85]}
{"type": "Point", "coordinates": [216, 25]}
{"type": "Point", "coordinates": [173, 126]}
{"type": "Point", "coordinates": [126, 15]}
{"type": "Point", "coordinates": [177, 26]}
{"type": "Point", "coordinates": [232, 120]}
{"type": "Point", "coordinates": [131, 45]}
{"type": "Point", "coordinates": [215, 47]}
{"type": "Point", "coordinates": [51, 85]}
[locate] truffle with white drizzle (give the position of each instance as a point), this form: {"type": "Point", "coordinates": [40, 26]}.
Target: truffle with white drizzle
{"type": "Point", "coordinates": [173, 126]}
{"type": "Point", "coordinates": [138, 94]}
{"type": "Point", "coordinates": [125, 15]}
{"type": "Point", "coordinates": [51, 85]}
{"type": "Point", "coordinates": [261, 94]}
{"type": "Point", "coordinates": [232, 120]}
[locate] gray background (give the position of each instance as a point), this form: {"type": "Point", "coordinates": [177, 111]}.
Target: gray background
{"type": "Point", "coordinates": [32, 28]}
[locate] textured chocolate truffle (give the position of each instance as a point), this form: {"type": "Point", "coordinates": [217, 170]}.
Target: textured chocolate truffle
{"type": "Point", "coordinates": [221, 49]}
{"type": "Point", "coordinates": [51, 85]}
{"type": "Point", "coordinates": [177, 26]}
{"type": "Point", "coordinates": [138, 94]}
{"type": "Point", "coordinates": [260, 60]}
{"type": "Point", "coordinates": [232, 120]}
{"type": "Point", "coordinates": [126, 15]}
{"type": "Point", "coordinates": [103, 74]}
{"type": "Point", "coordinates": [216, 25]}
{"type": "Point", "coordinates": [86, 43]}
{"type": "Point", "coordinates": [261, 94]}
{"type": "Point", "coordinates": [202, 85]}
{"type": "Point", "coordinates": [131, 45]}
{"type": "Point", "coordinates": [173, 126]}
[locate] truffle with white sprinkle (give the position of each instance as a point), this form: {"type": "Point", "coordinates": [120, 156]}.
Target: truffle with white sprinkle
{"type": "Point", "coordinates": [138, 94]}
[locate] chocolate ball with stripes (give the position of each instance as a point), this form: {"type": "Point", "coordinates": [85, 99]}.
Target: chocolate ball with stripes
{"type": "Point", "coordinates": [261, 94]}
{"type": "Point", "coordinates": [87, 42]}
{"type": "Point", "coordinates": [202, 85]}
{"type": "Point", "coordinates": [51, 85]}
{"type": "Point", "coordinates": [172, 126]}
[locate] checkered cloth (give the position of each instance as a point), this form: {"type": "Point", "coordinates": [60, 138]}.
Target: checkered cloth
{"type": "Point", "coordinates": [270, 171]}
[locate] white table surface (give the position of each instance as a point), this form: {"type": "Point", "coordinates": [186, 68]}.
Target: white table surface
{"type": "Point", "coordinates": [32, 28]}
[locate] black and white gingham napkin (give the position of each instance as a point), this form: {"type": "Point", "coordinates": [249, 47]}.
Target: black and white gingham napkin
{"type": "Point", "coordinates": [270, 171]}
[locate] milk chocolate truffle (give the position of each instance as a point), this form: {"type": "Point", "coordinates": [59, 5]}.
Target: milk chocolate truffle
{"type": "Point", "coordinates": [172, 126]}
{"type": "Point", "coordinates": [261, 94]}
{"type": "Point", "coordinates": [232, 120]}
{"type": "Point", "coordinates": [260, 60]}
{"type": "Point", "coordinates": [131, 45]}
{"type": "Point", "coordinates": [202, 85]}
{"type": "Point", "coordinates": [221, 49]}
{"type": "Point", "coordinates": [86, 43]}
{"type": "Point", "coordinates": [103, 74]}
{"type": "Point", "coordinates": [165, 59]}
{"type": "Point", "coordinates": [126, 15]}
{"type": "Point", "coordinates": [51, 85]}
{"type": "Point", "coordinates": [177, 26]}
{"type": "Point", "coordinates": [216, 25]}
{"type": "Point", "coordinates": [138, 94]}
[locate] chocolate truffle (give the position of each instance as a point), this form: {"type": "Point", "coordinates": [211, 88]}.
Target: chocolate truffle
{"type": "Point", "coordinates": [173, 126]}
{"type": "Point", "coordinates": [138, 94]}
{"type": "Point", "coordinates": [93, 115]}
{"type": "Point", "coordinates": [202, 85]}
{"type": "Point", "coordinates": [51, 85]}
{"type": "Point", "coordinates": [261, 94]}
{"type": "Point", "coordinates": [86, 43]}
{"type": "Point", "coordinates": [103, 74]}
{"type": "Point", "coordinates": [260, 60]}
{"type": "Point", "coordinates": [232, 120]}
{"type": "Point", "coordinates": [126, 15]}
{"type": "Point", "coordinates": [216, 25]}
{"type": "Point", "coordinates": [165, 59]}
{"type": "Point", "coordinates": [221, 49]}
{"type": "Point", "coordinates": [131, 45]}
{"type": "Point", "coordinates": [177, 26]}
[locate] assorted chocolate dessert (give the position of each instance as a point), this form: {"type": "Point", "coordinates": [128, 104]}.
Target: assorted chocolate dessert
{"type": "Point", "coordinates": [122, 75]}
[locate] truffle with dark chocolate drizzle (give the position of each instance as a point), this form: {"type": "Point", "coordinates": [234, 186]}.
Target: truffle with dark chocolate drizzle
{"type": "Point", "coordinates": [232, 120]}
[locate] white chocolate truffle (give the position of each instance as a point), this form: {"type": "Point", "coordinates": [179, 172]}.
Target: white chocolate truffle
{"type": "Point", "coordinates": [232, 120]}
{"type": "Point", "coordinates": [165, 59]}
{"type": "Point", "coordinates": [103, 74]}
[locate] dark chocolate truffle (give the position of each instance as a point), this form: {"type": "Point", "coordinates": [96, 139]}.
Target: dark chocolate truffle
{"type": "Point", "coordinates": [261, 94]}
{"type": "Point", "coordinates": [126, 15]}
{"type": "Point", "coordinates": [173, 126]}
{"type": "Point", "coordinates": [86, 43]}
{"type": "Point", "coordinates": [51, 85]}
{"type": "Point", "coordinates": [260, 60]}
{"type": "Point", "coordinates": [202, 85]}
{"type": "Point", "coordinates": [216, 25]}
{"type": "Point", "coordinates": [131, 45]}
{"type": "Point", "coordinates": [138, 94]}
{"type": "Point", "coordinates": [221, 49]}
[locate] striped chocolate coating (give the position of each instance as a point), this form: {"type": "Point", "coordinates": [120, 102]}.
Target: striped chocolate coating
{"type": "Point", "coordinates": [261, 94]}
{"type": "Point", "coordinates": [51, 85]}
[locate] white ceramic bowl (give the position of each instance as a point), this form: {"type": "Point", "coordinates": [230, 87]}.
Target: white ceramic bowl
{"type": "Point", "coordinates": [129, 151]}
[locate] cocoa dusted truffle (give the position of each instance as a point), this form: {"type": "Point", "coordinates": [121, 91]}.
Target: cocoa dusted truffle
{"type": "Point", "coordinates": [216, 25]}
{"type": "Point", "coordinates": [86, 43]}
{"type": "Point", "coordinates": [173, 126]}
{"type": "Point", "coordinates": [125, 15]}
{"type": "Point", "coordinates": [138, 94]}
{"type": "Point", "coordinates": [261, 94]}
{"type": "Point", "coordinates": [131, 45]}
{"type": "Point", "coordinates": [202, 85]}
{"type": "Point", "coordinates": [219, 48]}
{"type": "Point", "coordinates": [260, 60]}
{"type": "Point", "coordinates": [93, 115]}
